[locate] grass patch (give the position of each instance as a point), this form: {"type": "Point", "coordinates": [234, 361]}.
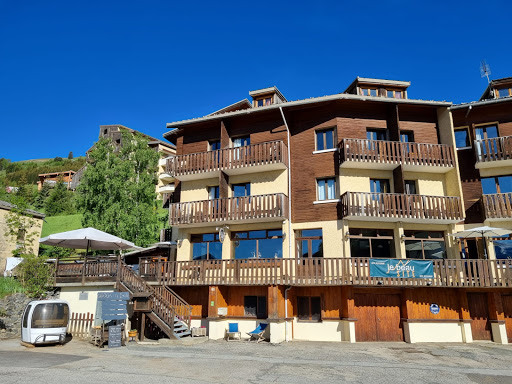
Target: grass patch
{"type": "Point", "coordinates": [56, 224]}
{"type": "Point", "coordinates": [9, 285]}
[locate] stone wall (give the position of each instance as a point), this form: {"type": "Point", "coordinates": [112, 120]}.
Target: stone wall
{"type": "Point", "coordinates": [11, 311]}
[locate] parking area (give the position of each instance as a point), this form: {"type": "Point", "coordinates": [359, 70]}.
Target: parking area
{"type": "Point", "coordinates": [243, 362]}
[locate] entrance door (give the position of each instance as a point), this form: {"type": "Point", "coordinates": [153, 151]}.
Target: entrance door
{"type": "Point", "coordinates": [479, 312]}
{"type": "Point", "coordinates": [378, 317]}
{"type": "Point", "coordinates": [507, 310]}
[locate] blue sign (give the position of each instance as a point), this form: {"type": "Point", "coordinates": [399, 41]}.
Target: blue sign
{"type": "Point", "coordinates": [434, 308]}
{"type": "Point", "coordinates": [113, 305]}
{"type": "Point", "coordinates": [402, 268]}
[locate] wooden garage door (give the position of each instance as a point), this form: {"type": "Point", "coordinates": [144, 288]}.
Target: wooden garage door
{"type": "Point", "coordinates": [479, 313]}
{"type": "Point", "coordinates": [378, 317]}
{"type": "Point", "coordinates": [507, 309]}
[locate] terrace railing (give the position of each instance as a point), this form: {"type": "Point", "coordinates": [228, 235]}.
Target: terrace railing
{"type": "Point", "coordinates": [497, 206]}
{"type": "Point", "coordinates": [494, 149]}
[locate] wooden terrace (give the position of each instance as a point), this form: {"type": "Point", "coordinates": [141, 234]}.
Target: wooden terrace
{"type": "Point", "coordinates": [259, 208]}
{"type": "Point", "coordinates": [294, 272]}
{"type": "Point", "coordinates": [493, 152]}
{"type": "Point", "coordinates": [497, 206]}
{"type": "Point", "coordinates": [268, 156]}
{"type": "Point", "coordinates": [380, 154]}
{"type": "Point", "coordinates": [401, 207]}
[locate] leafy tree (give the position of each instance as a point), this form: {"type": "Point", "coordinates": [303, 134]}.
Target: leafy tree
{"type": "Point", "coordinates": [20, 226]}
{"type": "Point", "coordinates": [57, 159]}
{"type": "Point", "coordinates": [42, 196]}
{"type": "Point", "coordinates": [117, 190]}
{"type": "Point", "coordinates": [70, 155]}
{"type": "Point", "coordinates": [60, 201]}
{"type": "Point", "coordinates": [35, 274]}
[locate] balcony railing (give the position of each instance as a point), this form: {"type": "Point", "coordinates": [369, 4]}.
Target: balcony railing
{"type": "Point", "coordinates": [494, 149]}
{"type": "Point", "coordinates": [302, 272]}
{"type": "Point", "coordinates": [396, 206]}
{"type": "Point", "coordinates": [498, 206]}
{"type": "Point", "coordinates": [272, 152]}
{"type": "Point", "coordinates": [395, 152]}
{"type": "Point", "coordinates": [247, 208]}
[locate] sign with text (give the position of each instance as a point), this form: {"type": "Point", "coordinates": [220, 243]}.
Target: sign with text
{"type": "Point", "coordinates": [400, 268]}
{"type": "Point", "coordinates": [113, 305]}
{"type": "Point", "coordinates": [115, 336]}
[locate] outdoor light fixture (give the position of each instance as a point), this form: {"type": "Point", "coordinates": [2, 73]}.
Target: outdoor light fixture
{"type": "Point", "coordinates": [402, 237]}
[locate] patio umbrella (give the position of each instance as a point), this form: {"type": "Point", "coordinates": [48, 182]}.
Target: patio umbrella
{"type": "Point", "coordinates": [87, 238]}
{"type": "Point", "coordinates": [483, 232]}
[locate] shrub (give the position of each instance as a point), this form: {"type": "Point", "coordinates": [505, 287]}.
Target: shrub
{"type": "Point", "coordinates": [35, 275]}
{"type": "Point", "coordinates": [9, 285]}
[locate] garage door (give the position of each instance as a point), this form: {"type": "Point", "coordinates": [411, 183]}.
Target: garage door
{"type": "Point", "coordinates": [378, 317]}
{"type": "Point", "coordinates": [507, 309]}
{"type": "Point", "coordinates": [479, 313]}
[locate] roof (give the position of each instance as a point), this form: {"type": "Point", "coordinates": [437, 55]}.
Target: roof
{"type": "Point", "coordinates": [55, 173]}
{"type": "Point", "coordinates": [481, 103]}
{"type": "Point", "coordinates": [367, 80]}
{"type": "Point", "coordinates": [242, 104]}
{"type": "Point", "coordinates": [152, 140]}
{"type": "Point", "coordinates": [8, 206]}
{"type": "Point", "coordinates": [303, 102]}
{"type": "Point", "coordinates": [495, 84]}
{"type": "Point", "coordinates": [264, 91]}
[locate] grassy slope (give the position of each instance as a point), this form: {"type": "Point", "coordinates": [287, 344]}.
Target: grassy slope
{"type": "Point", "coordinates": [56, 224]}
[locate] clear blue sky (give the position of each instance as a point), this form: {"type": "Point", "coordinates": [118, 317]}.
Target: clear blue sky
{"type": "Point", "coordinates": [67, 67]}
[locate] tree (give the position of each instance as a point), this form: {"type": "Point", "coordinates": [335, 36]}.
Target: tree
{"type": "Point", "coordinates": [42, 196]}
{"type": "Point", "coordinates": [117, 190]}
{"type": "Point", "coordinates": [60, 201]}
{"type": "Point", "coordinates": [35, 274]}
{"type": "Point", "coordinates": [20, 225]}
{"type": "Point", "coordinates": [70, 156]}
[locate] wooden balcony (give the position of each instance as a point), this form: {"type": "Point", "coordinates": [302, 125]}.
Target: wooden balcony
{"type": "Point", "coordinates": [495, 152]}
{"type": "Point", "coordinates": [254, 158]}
{"type": "Point", "coordinates": [401, 207]}
{"type": "Point", "coordinates": [260, 208]}
{"type": "Point", "coordinates": [387, 155]}
{"type": "Point", "coordinates": [302, 272]}
{"type": "Point", "coordinates": [497, 206]}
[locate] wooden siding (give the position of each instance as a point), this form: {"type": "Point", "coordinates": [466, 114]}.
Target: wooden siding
{"type": "Point", "coordinates": [401, 206]}
{"type": "Point", "coordinates": [378, 317]}
{"type": "Point", "coordinates": [240, 209]}
{"type": "Point", "coordinates": [479, 312]}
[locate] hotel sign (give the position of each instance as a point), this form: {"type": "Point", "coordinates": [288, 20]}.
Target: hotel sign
{"type": "Point", "coordinates": [400, 268]}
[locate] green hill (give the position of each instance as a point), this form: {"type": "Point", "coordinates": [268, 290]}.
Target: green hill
{"type": "Point", "coordinates": [13, 172]}
{"type": "Point", "coordinates": [56, 224]}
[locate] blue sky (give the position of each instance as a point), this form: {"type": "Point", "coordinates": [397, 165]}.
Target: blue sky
{"type": "Point", "coordinates": [67, 67]}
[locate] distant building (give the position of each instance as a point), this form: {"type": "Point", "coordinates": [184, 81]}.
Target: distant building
{"type": "Point", "coordinates": [53, 177]}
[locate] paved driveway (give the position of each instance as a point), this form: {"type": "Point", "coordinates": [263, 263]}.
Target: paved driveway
{"type": "Point", "coordinates": [242, 362]}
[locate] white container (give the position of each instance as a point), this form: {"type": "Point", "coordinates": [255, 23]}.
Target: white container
{"type": "Point", "coordinates": [45, 322]}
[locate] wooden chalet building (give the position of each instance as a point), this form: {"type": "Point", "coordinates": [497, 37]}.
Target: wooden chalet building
{"type": "Point", "coordinates": [281, 206]}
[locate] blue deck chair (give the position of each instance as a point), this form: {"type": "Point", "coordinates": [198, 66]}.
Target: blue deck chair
{"type": "Point", "coordinates": [233, 332]}
{"type": "Point", "coordinates": [257, 334]}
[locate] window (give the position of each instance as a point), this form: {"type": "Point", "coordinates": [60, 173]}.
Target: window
{"type": "Point", "coordinates": [213, 192]}
{"type": "Point", "coordinates": [326, 189]}
{"type": "Point", "coordinates": [369, 92]}
{"type": "Point", "coordinates": [309, 308]}
{"type": "Point", "coordinates": [462, 138]}
{"type": "Point", "coordinates": [241, 190]}
{"type": "Point", "coordinates": [325, 139]}
{"type": "Point", "coordinates": [406, 136]}
{"type": "Point", "coordinates": [241, 141]}
{"type": "Point", "coordinates": [371, 243]}
{"type": "Point", "coordinates": [498, 184]}
{"type": "Point", "coordinates": [255, 306]}
{"type": "Point", "coordinates": [392, 94]}
{"type": "Point", "coordinates": [206, 246]}
{"type": "Point", "coordinates": [410, 187]}
{"type": "Point", "coordinates": [25, 316]}
{"type": "Point", "coordinates": [503, 92]}
{"type": "Point", "coordinates": [51, 315]}
{"type": "Point", "coordinates": [380, 186]}
{"type": "Point", "coordinates": [264, 102]}
{"type": "Point", "coordinates": [264, 244]}
{"type": "Point", "coordinates": [424, 245]}
{"type": "Point", "coordinates": [503, 249]}
{"type": "Point", "coordinates": [486, 132]}
{"type": "Point", "coordinates": [376, 134]}
{"type": "Point", "coordinates": [309, 243]}
{"type": "Point", "coordinates": [214, 145]}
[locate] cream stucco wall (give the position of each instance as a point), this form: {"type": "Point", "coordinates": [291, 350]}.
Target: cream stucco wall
{"type": "Point", "coordinates": [435, 332]}
{"type": "Point", "coordinates": [263, 183]}
{"type": "Point", "coordinates": [326, 330]}
{"type": "Point", "coordinates": [217, 328]}
{"type": "Point", "coordinates": [72, 295]}
{"type": "Point", "coordinates": [358, 180]}
{"type": "Point", "coordinates": [7, 246]}
{"type": "Point", "coordinates": [196, 190]}
{"type": "Point", "coordinates": [430, 184]}
{"type": "Point", "coordinates": [331, 236]}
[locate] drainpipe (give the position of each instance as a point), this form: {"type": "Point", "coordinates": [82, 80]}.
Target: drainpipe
{"type": "Point", "coordinates": [289, 220]}
{"type": "Point", "coordinates": [469, 110]}
{"type": "Point", "coordinates": [286, 313]}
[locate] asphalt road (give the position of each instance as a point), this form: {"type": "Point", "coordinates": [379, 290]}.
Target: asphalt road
{"type": "Point", "coordinates": [243, 362]}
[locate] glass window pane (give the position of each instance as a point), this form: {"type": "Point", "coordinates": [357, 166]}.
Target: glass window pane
{"type": "Point", "coordinates": [215, 251]}
{"type": "Point", "coordinates": [240, 235]}
{"type": "Point", "coordinates": [261, 311]}
{"type": "Point", "coordinates": [390, 94]}
{"type": "Point", "coordinates": [270, 248]}
{"type": "Point", "coordinates": [329, 139]}
{"type": "Point", "coordinates": [488, 185]}
{"type": "Point", "coordinates": [245, 249]}
{"type": "Point", "coordinates": [505, 183]}
{"type": "Point", "coordinates": [381, 248]}
{"type": "Point", "coordinates": [275, 232]}
{"type": "Point", "coordinates": [413, 249]}
{"type": "Point", "coordinates": [331, 189]}
{"type": "Point", "coordinates": [257, 234]}
{"type": "Point", "coordinates": [359, 247]}
{"type": "Point", "coordinates": [503, 249]}
{"type": "Point", "coordinates": [504, 92]}
{"type": "Point", "coordinates": [492, 131]}
{"type": "Point", "coordinates": [199, 251]}
{"type": "Point", "coordinates": [321, 189]}
{"type": "Point", "coordinates": [461, 138]}
{"type": "Point", "coordinates": [434, 249]}
{"type": "Point", "coordinates": [311, 233]}
{"type": "Point", "coordinates": [317, 248]}
{"type": "Point", "coordinates": [320, 140]}
{"type": "Point", "coordinates": [303, 248]}
{"type": "Point", "coordinates": [208, 237]}
{"type": "Point", "coordinates": [316, 308]}
{"type": "Point", "coordinates": [303, 308]}
{"type": "Point", "coordinates": [250, 303]}
{"type": "Point", "coordinates": [373, 92]}
{"type": "Point", "coordinates": [52, 315]}
{"type": "Point", "coordinates": [398, 94]}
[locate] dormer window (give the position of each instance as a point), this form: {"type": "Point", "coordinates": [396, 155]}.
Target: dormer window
{"type": "Point", "coordinates": [504, 92]}
{"type": "Point", "coordinates": [392, 94]}
{"type": "Point", "coordinates": [369, 92]}
{"type": "Point", "coordinates": [264, 101]}
{"type": "Point", "coordinates": [266, 96]}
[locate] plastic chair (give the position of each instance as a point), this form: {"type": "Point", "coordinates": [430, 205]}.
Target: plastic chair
{"type": "Point", "coordinates": [233, 331]}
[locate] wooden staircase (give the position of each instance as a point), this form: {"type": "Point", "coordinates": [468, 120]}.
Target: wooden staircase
{"type": "Point", "coordinates": [166, 309]}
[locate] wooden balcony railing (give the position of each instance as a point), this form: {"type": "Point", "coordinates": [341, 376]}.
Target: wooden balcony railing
{"type": "Point", "coordinates": [272, 206]}
{"type": "Point", "coordinates": [377, 151]}
{"type": "Point", "coordinates": [494, 149]}
{"type": "Point", "coordinates": [401, 206]}
{"type": "Point", "coordinates": [272, 152]}
{"type": "Point", "coordinates": [317, 272]}
{"type": "Point", "coordinates": [497, 206]}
